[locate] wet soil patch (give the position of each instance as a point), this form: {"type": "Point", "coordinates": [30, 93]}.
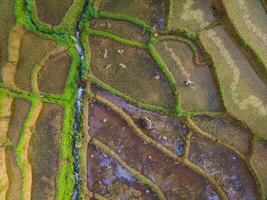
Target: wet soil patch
{"type": "Point", "coordinates": [167, 130]}
{"type": "Point", "coordinates": [174, 179]}
{"type": "Point", "coordinates": [108, 178]}
{"type": "Point", "coordinates": [225, 166]}
{"type": "Point", "coordinates": [226, 129]}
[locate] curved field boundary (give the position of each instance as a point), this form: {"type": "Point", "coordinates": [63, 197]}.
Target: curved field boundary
{"type": "Point", "coordinates": [239, 98]}
{"type": "Point", "coordinates": [142, 179]}
{"type": "Point", "coordinates": [165, 70]}
{"type": "Point", "coordinates": [22, 149]}
{"type": "Point", "coordinates": [135, 102]}
{"type": "Point", "coordinates": [249, 26]}
{"type": "Point", "coordinates": [36, 68]}
{"type": "Point", "coordinates": [147, 140]}
{"type": "Point", "coordinates": [68, 22]}
{"type": "Point", "coordinates": [9, 69]}
{"type": "Point", "coordinates": [215, 139]}
{"type": "Point", "coordinates": [132, 20]}
{"type": "Point", "coordinates": [194, 48]}
{"type": "Point", "coordinates": [117, 38]}
{"type": "Point", "coordinates": [5, 114]}
{"type": "Point", "coordinates": [230, 148]}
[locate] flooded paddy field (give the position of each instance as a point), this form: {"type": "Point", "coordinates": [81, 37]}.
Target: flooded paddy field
{"type": "Point", "coordinates": [130, 70]}
{"type": "Point", "coordinates": [168, 131]}
{"type": "Point", "coordinates": [57, 10]}
{"type": "Point", "coordinates": [120, 28]}
{"type": "Point", "coordinates": [227, 168]}
{"type": "Point", "coordinates": [44, 151]}
{"type": "Point", "coordinates": [108, 178]}
{"type": "Point", "coordinates": [171, 177]}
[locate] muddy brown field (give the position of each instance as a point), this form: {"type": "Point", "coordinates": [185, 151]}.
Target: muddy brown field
{"type": "Point", "coordinates": [133, 100]}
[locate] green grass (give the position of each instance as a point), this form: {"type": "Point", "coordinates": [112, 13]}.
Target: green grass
{"type": "Point", "coordinates": [117, 38]}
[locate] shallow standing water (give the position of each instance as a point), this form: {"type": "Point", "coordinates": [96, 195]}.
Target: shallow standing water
{"type": "Point", "coordinates": [78, 104]}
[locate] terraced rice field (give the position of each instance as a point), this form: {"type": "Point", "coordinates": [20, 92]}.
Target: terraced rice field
{"type": "Point", "coordinates": [133, 100]}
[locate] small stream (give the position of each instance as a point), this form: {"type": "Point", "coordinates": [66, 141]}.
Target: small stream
{"type": "Point", "coordinates": [78, 105]}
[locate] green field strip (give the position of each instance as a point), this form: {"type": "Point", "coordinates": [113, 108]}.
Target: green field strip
{"type": "Point", "coordinates": [142, 179]}
{"type": "Point", "coordinates": [65, 178]}
{"type": "Point", "coordinates": [37, 67]}
{"type": "Point", "coordinates": [117, 38]}
{"type": "Point", "coordinates": [22, 149]}
{"type": "Point", "coordinates": [30, 96]}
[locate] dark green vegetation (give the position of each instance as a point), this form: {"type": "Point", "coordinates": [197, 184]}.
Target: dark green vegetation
{"type": "Point", "coordinates": [146, 132]}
